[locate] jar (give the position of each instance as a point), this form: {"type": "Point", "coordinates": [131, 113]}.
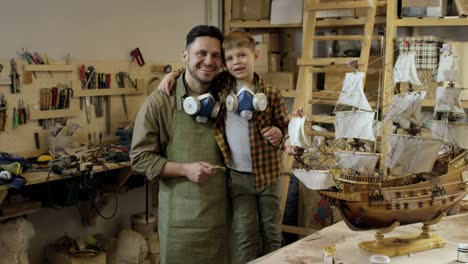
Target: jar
{"type": "Point", "coordinates": [329, 253]}
{"type": "Point", "coordinates": [462, 253]}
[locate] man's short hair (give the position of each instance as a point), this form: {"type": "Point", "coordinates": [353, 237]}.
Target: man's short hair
{"type": "Point", "coordinates": [238, 39]}
{"type": "Point", "coordinates": [202, 31]}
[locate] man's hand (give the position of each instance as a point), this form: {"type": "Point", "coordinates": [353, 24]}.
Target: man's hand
{"type": "Point", "coordinates": [198, 172]}
{"type": "Point", "coordinates": [273, 135]}
{"type": "Point", "coordinates": [167, 83]}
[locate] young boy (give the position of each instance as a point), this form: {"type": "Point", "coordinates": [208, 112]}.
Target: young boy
{"type": "Point", "coordinates": [251, 149]}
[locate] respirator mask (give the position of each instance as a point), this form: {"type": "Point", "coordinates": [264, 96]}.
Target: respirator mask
{"type": "Point", "coordinates": [245, 102]}
{"type": "Point", "coordinates": [202, 107]}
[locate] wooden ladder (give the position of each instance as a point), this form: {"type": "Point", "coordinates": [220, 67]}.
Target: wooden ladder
{"type": "Point", "coordinates": [310, 66]}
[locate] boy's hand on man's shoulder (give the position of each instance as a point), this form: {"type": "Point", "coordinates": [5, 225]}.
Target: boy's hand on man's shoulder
{"type": "Point", "coordinates": [167, 83]}
{"type": "Point", "coordinates": [273, 135]}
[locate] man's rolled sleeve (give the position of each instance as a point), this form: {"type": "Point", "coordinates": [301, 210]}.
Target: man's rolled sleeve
{"type": "Point", "coordinates": [149, 138]}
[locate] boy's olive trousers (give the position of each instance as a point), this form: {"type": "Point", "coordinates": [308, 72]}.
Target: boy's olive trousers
{"type": "Point", "coordinates": [254, 212]}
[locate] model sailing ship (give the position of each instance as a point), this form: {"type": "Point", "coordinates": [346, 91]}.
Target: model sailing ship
{"type": "Point", "coordinates": [423, 178]}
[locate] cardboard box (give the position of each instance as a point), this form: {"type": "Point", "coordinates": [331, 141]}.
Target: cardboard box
{"type": "Point", "coordinates": [250, 9]}
{"type": "Point", "coordinates": [289, 62]}
{"type": "Point", "coordinates": [286, 11]}
{"type": "Point", "coordinates": [274, 62]}
{"type": "Point", "coordinates": [271, 39]}
{"type": "Point", "coordinates": [335, 13]}
{"type": "Point", "coordinates": [380, 11]}
{"type": "Point", "coordinates": [291, 40]}
{"type": "Point", "coordinates": [424, 8]}
{"type": "Point", "coordinates": [261, 64]}
{"type": "Point", "coordinates": [279, 80]}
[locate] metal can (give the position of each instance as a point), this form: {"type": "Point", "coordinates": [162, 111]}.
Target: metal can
{"type": "Point", "coordinates": [462, 253]}
{"type": "Point", "coordinates": [329, 254]}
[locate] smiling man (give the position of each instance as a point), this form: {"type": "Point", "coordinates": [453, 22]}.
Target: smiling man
{"type": "Point", "coordinates": [174, 142]}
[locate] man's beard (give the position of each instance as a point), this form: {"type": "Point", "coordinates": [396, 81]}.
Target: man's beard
{"type": "Point", "coordinates": [193, 72]}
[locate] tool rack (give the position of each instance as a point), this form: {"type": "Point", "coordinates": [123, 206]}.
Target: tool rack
{"type": "Point", "coordinates": [35, 112]}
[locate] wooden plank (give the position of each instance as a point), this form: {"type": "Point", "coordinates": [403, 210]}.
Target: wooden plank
{"type": "Point", "coordinates": [288, 93]}
{"type": "Point", "coordinates": [78, 92]}
{"type": "Point", "coordinates": [35, 113]}
{"type": "Point", "coordinates": [18, 209]}
{"type": "Point", "coordinates": [325, 61]}
{"type": "Point", "coordinates": [322, 22]}
{"type": "Point", "coordinates": [227, 16]}
{"type": "Point", "coordinates": [260, 24]}
{"type": "Point", "coordinates": [50, 67]}
{"type": "Point", "coordinates": [338, 37]}
{"type": "Point", "coordinates": [38, 177]}
{"type": "Point", "coordinates": [430, 21]}
{"type": "Point", "coordinates": [325, 119]}
{"type": "Point", "coordinates": [430, 102]}
{"type": "Point", "coordinates": [339, 5]}
{"type": "Point", "coordinates": [462, 7]}
{"type": "Point", "coordinates": [303, 231]}
{"type": "Point", "coordinates": [348, 21]}
{"type": "Point", "coordinates": [387, 94]}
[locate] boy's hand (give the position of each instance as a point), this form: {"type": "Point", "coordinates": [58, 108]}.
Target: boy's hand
{"type": "Point", "coordinates": [198, 172]}
{"type": "Point", "coordinates": [294, 150]}
{"type": "Point", "coordinates": [298, 113]}
{"type": "Point", "coordinates": [167, 83]}
{"type": "Point", "coordinates": [273, 135]}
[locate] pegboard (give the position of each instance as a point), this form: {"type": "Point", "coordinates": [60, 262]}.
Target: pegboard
{"type": "Point", "coordinates": [21, 140]}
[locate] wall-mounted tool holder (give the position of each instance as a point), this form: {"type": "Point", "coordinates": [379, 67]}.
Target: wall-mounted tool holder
{"type": "Point", "coordinates": [35, 111]}
{"type": "Point", "coordinates": [78, 92]}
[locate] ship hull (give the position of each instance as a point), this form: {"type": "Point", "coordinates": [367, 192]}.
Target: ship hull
{"type": "Point", "coordinates": [414, 203]}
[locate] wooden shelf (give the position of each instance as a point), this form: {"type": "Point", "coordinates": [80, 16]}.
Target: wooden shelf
{"type": "Point", "coordinates": [78, 92]}
{"type": "Point", "coordinates": [430, 21]}
{"type": "Point", "coordinates": [324, 119]}
{"type": "Point", "coordinates": [260, 24]}
{"type": "Point", "coordinates": [288, 93]}
{"type": "Point", "coordinates": [44, 176]}
{"type": "Point", "coordinates": [35, 113]}
{"type": "Point", "coordinates": [50, 67]}
{"type": "Point", "coordinates": [430, 102]}
{"type": "Point", "coordinates": [321, 22]}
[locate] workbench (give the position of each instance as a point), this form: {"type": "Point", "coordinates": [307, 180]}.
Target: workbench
{"type": "Point", "coordinates": [37, 177]}
{"type": "Point", "coordinates": [453, 229]}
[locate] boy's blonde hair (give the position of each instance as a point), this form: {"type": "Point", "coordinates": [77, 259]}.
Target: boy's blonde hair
{"type": "Point", "coordinates": [238, 39]}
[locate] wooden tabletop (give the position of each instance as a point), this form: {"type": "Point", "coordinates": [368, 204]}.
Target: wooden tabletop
{"type": "Point", "coordinates": [453, 229]}
{"type": "Point", "coordinates": [44, 176]}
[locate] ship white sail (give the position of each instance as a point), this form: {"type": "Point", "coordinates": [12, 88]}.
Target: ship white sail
{"type": "Point", "coordinates": [315, 179]}
{"type": "Point", "coordinates": [352, 93]}
{"type": "Point", "coordinates": [455, 133]}
{"type": "Point", "coordinates": [406, 108]}
{"type": "Point", "coordinates": [296, 132]}
{"type": "Point", "coordinates": [362, 162]}
{"type": "Point", "coordinates": [448, 101]}
{"type": "Point", "coordinates": [405, 69]}
{"type": "Point", "coordinates": [354, 124]}
{"type": "Point", "coordinates": [407, 154]}
{"type": "Point", "coordinates": [448, 69]}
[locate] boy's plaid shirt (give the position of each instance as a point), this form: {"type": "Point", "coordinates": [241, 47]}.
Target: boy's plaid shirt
{"type": "Point", "coordinates": [266, 158]}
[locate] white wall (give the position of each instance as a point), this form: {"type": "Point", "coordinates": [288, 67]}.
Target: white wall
{"type": "Point", "coordinates": [103, 29]}
{"type": "Point", "coordinates": [98, 30]}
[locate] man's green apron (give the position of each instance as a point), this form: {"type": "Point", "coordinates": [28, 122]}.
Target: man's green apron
{"type": "Point", "coordinates": [192, 216]}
